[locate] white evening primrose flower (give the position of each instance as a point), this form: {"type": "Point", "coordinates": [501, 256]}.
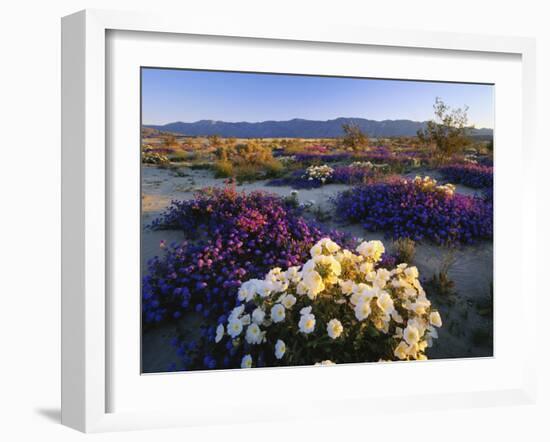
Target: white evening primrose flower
{"type": "Point", "coordinates": [280, 285]}
{"type": "Point", "coordinates": [258, 316]}
{"type": "Point", "coordinates": [422, 345]}
{"type": "Point", "coordinates": [245, 319]}
{"type": "Point", "coordinates": [385, 303]}
{"type": "Point", "coordinates": [305, 310]}
{"type": "Point", "coordinates": [371, 249]}
{"type": "Point", "coordinates": [381, 278]}
{"type": "Point", "coordinates": [399, 283]}
{"type": "Point", "coordinates": [246, 361]}
{"type": "Point", "coordinates": [326, 362]}
{"type": "Point", "coordinates": [293, 274]}
{"type": "Point", "coordinates": [274, 274]}
{"type": "Point", "coordinates": [419, 288]}
{"type": "Point", "coordinates": [362, 310]}
{"type": "Point", "coordinates": [248, 289]}
{"type": "Point", "coordinates": [288, 301]}
{"type": "Point", "coordinates": [330, 245]}
{"type": "Point", "coordinates": [401, 351]}
{"type": "Point", "coordinates": [420, 306]}
{"type": "Point", "coordinates": [264, 288]}
{"type": "Point", "coordinates": [344, 255]}
{"type": "Point", "coordinates": [334, 328]}
{"type": "Point", "coordinates": [301, 288]}
{"type": "Point", "coordinates": [398, 333]}
{"type": "Point", "coordinates": [280, 349]}
{"type": "Point", "coordinates": [310, 265]}
{"type": "Point", "coordinates": [411, 273]}
{"type": "Point", "coordinates": [346, 286]}
{"type": "Point", "coordinates": [316, 250]}
{"type": "Point", "coordinates": [431, 335]}
{"type": "Point", "coordinates": [335, 266]}
{"type": "Point", "coordinates": [234, 328]}
{"type": "Point", "coordinates": [366, 268]}
{"type": "Point", "coordinates": [413, 351]}
{"type": "Point", "coordinates": [411, 334]}
{"type": "Point", "coordinates": [314, 284]}
{"type": "Point", "coordinates": [327, 261]}
{"type": "Point", "coordinates": [219, 333]}
{"type": "Point", "coordinates": [253, 334]}
{"type": "Point", "coordinates": [362, 293]}
{"type": "Point", "coordinates": [277, 313]}
{"type": "Point", "coordinates": [307, 323]}
{"type": "Point", "coordinates": [397, 317]}
{"type": "Point", "coordinates": [236, 312]}
{"type": "Point", "coordinates": [435, 319]}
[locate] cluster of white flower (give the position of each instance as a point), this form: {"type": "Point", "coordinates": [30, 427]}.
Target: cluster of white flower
{"type": "Point", "coordinates": [287, 159]}
{"type": "Point", "coordinates": [149, 156]}
{"type": "Point", "coordinates": [362, 164]}
{"type": "Point", "coordinates": [321, 173]}
{"type": "Point", "coordinates": [429, 184]}
{"type": "Point", "coordinates": [340, 298]}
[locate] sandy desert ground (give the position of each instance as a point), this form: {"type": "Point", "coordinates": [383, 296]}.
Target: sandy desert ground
{"type": "Point", "coordinates": [467, 332]}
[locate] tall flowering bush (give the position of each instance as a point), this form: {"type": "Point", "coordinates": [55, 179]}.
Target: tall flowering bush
{"type": "Point", "coordinates": [231, 237]}
{"type": "Point", "coordinates": [338, 307]}
{"type": "Point", "coordinates": [418, 209]}
{"type": "Point", "coordinates": [470, 174]}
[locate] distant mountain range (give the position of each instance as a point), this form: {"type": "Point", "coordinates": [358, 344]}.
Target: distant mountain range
{"type": "Point", "coordinates": [299, 128]}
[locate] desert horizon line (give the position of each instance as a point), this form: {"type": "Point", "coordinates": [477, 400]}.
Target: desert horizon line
{"type": "Point", "coordinates": [297, 118]}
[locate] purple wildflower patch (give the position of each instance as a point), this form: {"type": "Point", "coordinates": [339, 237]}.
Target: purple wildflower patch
{"type": "Point", "coordinates": [232, 237]}
{"type": "Point", "coordinates": [469, 174]}
{"type": "Point", "coordinates": [403, 209]}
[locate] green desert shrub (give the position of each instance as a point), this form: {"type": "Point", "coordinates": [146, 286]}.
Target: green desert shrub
{"type": "Point", "coordinates": [273, 168]}
{"type": "Point", "coordinates": [246, 161]}
{"type": "Point", "coordinates": [180, 157]}
{"type": "Point", "coordinates": [223, 169]}
{"type": "Point", "coordinates": [405, 249]}
{"type": "Point", "coordinates": [248, 172]}
{"type": "Point", "coordinates": [441, 284]}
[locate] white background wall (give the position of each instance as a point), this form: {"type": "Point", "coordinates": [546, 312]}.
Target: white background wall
{"type": "Point", "coordinates": [30, 220]}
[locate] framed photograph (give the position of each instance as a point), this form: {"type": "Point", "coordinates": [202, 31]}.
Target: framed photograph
{"type": "Point", "coordinates": [276, 211]}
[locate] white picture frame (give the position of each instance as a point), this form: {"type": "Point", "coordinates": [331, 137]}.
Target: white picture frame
{"type": "Point", "coordinates": [86, 356]}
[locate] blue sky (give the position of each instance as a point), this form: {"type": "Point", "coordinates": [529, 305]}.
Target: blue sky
{"type": "Point", "coordinates": [170, 95]}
